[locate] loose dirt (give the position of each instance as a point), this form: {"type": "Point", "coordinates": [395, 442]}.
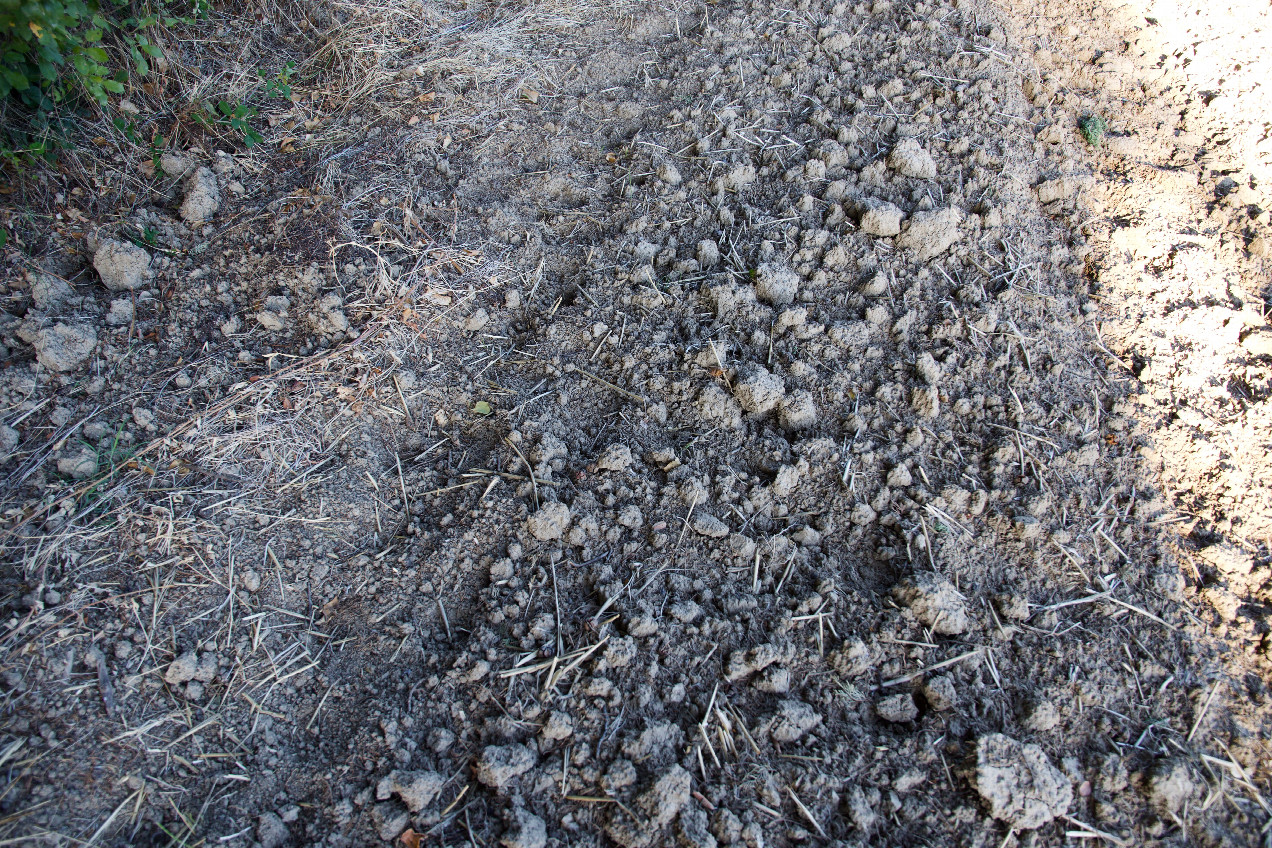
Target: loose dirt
{"type": "Point", "coordinates": [732, 424]}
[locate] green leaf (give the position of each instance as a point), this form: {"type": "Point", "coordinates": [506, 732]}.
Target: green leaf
{"type": "Point", "coordinates": [16, 79]}
{"type": "Point", "coordinates": [482, 408]}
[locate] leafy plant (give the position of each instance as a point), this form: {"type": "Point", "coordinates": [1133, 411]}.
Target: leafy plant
{"type": "Point", "coordinates": [280, 85]}
{"type": "Point", "coordinates": [70, 52]}
{"type": "Point", "coordinates": [18, 149]}
{"type": "Point", "coordinates": [1093, 128]}
{"type": "Point", "coordinates": [54, 50]}
{"type": "Point", "coordinates": [236, 116]}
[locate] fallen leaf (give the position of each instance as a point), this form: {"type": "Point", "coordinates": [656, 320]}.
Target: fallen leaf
{"type": "Point", "coordinates": [530, 94]}
{"type": "Point", "coordinates": [410, 839]}
{"type": "Point", "coordinates": [482, 408]}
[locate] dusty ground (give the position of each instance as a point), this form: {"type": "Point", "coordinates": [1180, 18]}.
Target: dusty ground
{"type": "Point", "coordinates": [726, 424]}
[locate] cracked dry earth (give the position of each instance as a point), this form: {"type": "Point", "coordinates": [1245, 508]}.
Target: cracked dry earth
{"type": "Point", "coordinates": [714, 437]}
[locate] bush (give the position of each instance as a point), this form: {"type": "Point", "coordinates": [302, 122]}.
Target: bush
{"type": "Point", "coordinates": [53, 51]}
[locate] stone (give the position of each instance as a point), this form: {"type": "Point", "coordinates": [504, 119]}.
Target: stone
{"type": "Point", "coordinates": [897, 708]}
{"type": "Point", "coordinates": [1228, 560]}
{"type": "Point", "coordinates": [80, 465]}
{"type": "Point", "coordinates": [774, 679]}
{"type": "Point", "coordinates": [708, 254]}
{"type": "Point", "coordinates": [930, 234]}
{"type": "Point", "coordinates": [271, 321]}
{"type": "Point", "coordinates": [656, 807]}
{"type": "Point", "coordinates": [175, 165]}
{"type": "Point", "coordinates": [64, 347]}
{"type": "Point", "coordinates": [909, 159]}
{"type": "Point", "coordinates": [935, 603]}
{"type": "Point", "coordinates": [861, 807]}
{"type": "Point", "coordinates": [121, 312]}
{"type": "Point", "coordinates": [271, 832]}
{"type": "Point", "coordinates": [123, 266]}
{"type": "Point", "coordinates": [726, 826]}
{"type": "Point", "coordinates": [1043, 716]}
{"type": "Point", "coordinates": [1258, 343]}
{"type": "Point", "coordinates": [1171, 785]}
{"type": "Point", "coordinates": [630, 516]}
{"type": "Point", "coordinates": [714, 404]}
{"type": "Point", "coordinates": [417, 789]}
{"type": "Point", "coordinates": [500, 765]}
{"type": "Point", "coordinates": [1062, 188]}
{"type": "Point", "coordinates": [794, 719]}
{"type": "Point", "coordinates": [928, 368]}
{"type": "Point", "coordinates": [48, 291]}
{"type": "Point", "coordinates": [669, 174]}
{"type": "Point", "coordinates": [620, 775]}
{"type": "Point", "coordinates": [776, 283]}
{"type": "Point", "coordinates": [389, 820]}
{"type": "Point", "coordinates": [9, 439]}
{"type": "Point", "coordinates": [331, 315]}
{"type": "Point", "coordinates": [477, 321]}
{"type": "Point", "coordinates": [926, 402]}
{"type": "Point", "coordinates": [862, 515]}
{"type": "Point", "coordinates": [693, 830]}
{"type": "Point", "coordinates": [657, 743]}
{"type": "Point", "coordinates": [940, 693]}
{"type": "Point", "coordinates": [1018, 783]}
{"type": "Point", "coordinates": [615, 458]}
{"type": "Point", "coordinates": [558, 726]}
{"type": "Point", "coordinates": [797, 411]}
{"type": "Point", "coordinates": [882, 220]}
{"type": "Point", "coordinates": [203, 197]}
{"type": "Point", "coordinates": [527, 830]}
{"type": "Point", "coordinates": [742, 663]}
{"type": "Point", "coordinates": [182, 669]}
{"type": "Point", "coordinates": [706, 524]}
{"type": "Point", "coordinates": [758, 390]}
{"type": "Point", "coordinates": [550, 522]}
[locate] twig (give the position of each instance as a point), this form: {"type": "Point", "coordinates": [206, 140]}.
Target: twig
{"type": "Point", "coordinates": [943, 664]}
{"type": "Point", "coordinates": [534, 484]}
{"type": "Point", "coordinates": [1201, 715]}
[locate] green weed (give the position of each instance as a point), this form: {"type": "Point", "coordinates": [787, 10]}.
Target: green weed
{"type": "Point", "coordinates": [1093, 128]}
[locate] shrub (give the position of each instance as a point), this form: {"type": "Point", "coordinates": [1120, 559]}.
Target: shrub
{"type": "Point", "coordinates": [52, 51]}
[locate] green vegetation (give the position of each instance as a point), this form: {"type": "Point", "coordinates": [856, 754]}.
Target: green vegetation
{"type": "Point", "coordinates": [53, 51]}
{"type": "Point", "coordinates": [238, 115]}
{"type": "Point", "coordinates": [1093, 128]}
{"type": "Point", "coordinates": [70, 53]}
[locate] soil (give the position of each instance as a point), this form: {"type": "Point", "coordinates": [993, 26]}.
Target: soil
{"type": "Point", "coordinates": [739, 423]}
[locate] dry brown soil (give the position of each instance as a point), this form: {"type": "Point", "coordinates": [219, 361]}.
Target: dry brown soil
{"type": "Point", "coordinates": [731, 423]}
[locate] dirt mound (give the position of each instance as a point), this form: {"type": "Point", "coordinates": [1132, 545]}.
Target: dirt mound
{"type": "Point", "coordinates": [706, 440]}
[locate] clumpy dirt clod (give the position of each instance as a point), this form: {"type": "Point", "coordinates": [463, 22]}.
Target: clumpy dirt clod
{"type": "Point", "coordinates": [122, 266]}
{"type": "Point", "coordinates": [1018, 783]}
